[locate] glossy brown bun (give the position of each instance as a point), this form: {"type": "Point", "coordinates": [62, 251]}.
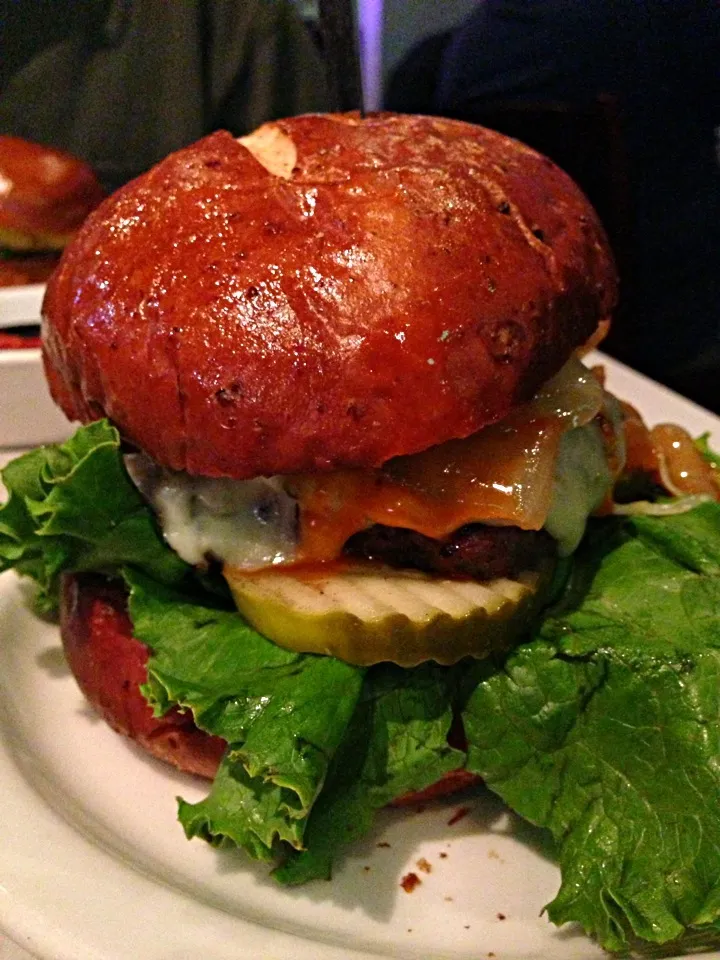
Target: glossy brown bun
{"type": "Point", "coordinates": [109, 665]}
{"type": "Point", "coordinates": [388, 284]}
{"type": "Point", "coordinates": [45, 194]}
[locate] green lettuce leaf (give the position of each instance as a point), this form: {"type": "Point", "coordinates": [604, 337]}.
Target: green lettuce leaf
{"type": "Point", "coordinates": [72, 507]}
{"type": "Point", "coordinates": [396, 742]}
{"type": "Point", "coordinates": [283, 713]}
{"type": "Point", "coordinates": [244, 811]}
{"type": "Point", "coordinates": [606, 730]}
{"type": "Point", "coordinates": [703, 445]}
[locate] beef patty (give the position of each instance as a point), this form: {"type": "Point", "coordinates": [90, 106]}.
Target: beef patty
{"type": "Point", "coordinates": [475, 551]}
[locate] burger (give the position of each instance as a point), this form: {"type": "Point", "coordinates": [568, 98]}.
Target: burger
{"type": "Point", "coordinates": [340, 351]}
{"type": "Point", "coordinates": [340, 358]}
{"type": "Point", "coordinates": [45, 194]}
{"type": "Point", "coordinates": [339, 454]}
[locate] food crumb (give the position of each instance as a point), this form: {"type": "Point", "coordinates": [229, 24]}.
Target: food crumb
{"type": "Point", "coordinates": [458, 815]}
{"type": "Point", "coordinates": [448, 899]}
{"type": "Point", "coordinates": [384, 843]}
{"type": "Point", "coordinates": [409, 929]}
{"type": "Point", "coordinates": [366, 869]}
{"type": "Point", "coordinates": [410, 881]}
{"type": "Point", "coordinates": [422, 864]}
{"type": "Point", "coordinates": [493, 855]}
{"type": "Point", "coordinates": [443, 855]}
{"type": "Point", "coordinates": [501, 916]}
{"type": "Point", "coordinates": [467, 926]}
{"type": "Point", "coordinates": [491, 954]}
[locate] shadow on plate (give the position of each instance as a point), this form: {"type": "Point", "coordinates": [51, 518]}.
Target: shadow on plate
{"type": "Point", "coordinates": [52, 661]}
{"type": "Point", "coordinates": [368, 873]}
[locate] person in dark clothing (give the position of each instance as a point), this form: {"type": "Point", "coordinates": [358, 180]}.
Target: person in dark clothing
{"type": "Point", "coordinates": [657, 61]}
{"type": "Point", "coordinates": [411, 86]}
{"type": "Point", "coordinates": [122, 83]}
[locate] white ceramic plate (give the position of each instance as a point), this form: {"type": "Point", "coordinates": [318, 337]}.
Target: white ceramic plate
{"type": "Point", "coordinates": [21, 305]}
{"type": "Point", "coordinates": [27, 413]}
{"type": "Point", "coordinates": [93, 865]}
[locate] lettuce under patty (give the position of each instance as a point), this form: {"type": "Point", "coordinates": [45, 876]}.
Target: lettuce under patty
{"type": "Point", "coordinates": [604, 727]}
{"type": "Point", "coordinates": [72, 507]}
{"type": "Point", "coordinates": [282, 713]}
{"type": "Point", "coordinates": [703, 445]}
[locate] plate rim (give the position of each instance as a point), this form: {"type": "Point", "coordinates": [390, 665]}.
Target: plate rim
{"type": "Point", "coordinates": [21, 305]}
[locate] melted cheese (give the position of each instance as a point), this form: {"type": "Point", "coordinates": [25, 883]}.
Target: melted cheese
{"type": "Point", "coordinates": [249, 524]}
{"type": "Point", "coordinates": [546, 465]}
{"type": "Point", "coordinates": [501, 475]}
{"type": "Point", "coordinates": [504, 475]}
{"type": "Point", "coordinates": [582, 480]}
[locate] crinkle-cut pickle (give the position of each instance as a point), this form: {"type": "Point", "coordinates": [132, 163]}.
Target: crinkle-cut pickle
{"type": "Point", "coordinates": [369, 615]}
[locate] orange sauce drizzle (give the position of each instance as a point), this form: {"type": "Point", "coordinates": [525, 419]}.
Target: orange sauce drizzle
{"type": "Point", "coordinates": [502, 474]}
{"type": "Point", "coordinates": [682, 468]}
{"type": "Point", "coordinates": [641, 456]}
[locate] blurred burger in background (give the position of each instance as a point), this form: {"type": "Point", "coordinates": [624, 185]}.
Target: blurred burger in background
{"type": "Point", "coordinates": [45, 195]}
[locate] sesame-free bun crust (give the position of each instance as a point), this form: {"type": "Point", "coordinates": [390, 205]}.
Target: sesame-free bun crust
{"type": "Point", "coordinates": [367, 288]}
{"type": "Point", "coordinates": [45, 194]}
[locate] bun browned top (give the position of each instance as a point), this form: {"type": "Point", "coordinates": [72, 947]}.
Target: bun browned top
{"type": "Point", "coordinates": [371, 288]}
{"type": "Point", "coordinates": [45, 194]}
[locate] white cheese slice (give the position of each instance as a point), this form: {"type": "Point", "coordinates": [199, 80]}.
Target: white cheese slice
{"type": "Point", "coordinates": [247, 523]}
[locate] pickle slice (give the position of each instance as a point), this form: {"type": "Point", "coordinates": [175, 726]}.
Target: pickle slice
{"type": "Point", "coordinates": [368, 615]}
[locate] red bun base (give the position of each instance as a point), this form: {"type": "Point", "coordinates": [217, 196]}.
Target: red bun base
{"type": "Point", "coordinates": [109, 665]}
{"type": "Point", "coordinates": [452, 782]}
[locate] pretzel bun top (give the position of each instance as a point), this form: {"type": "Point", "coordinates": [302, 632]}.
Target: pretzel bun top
{"type": "Point", "coordinates": [45, 194]}
{"type": "Point", "coordinates": [329, 291]}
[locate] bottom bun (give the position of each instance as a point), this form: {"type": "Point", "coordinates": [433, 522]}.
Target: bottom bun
{"type": "Point", "coordinates": [109, 665]}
